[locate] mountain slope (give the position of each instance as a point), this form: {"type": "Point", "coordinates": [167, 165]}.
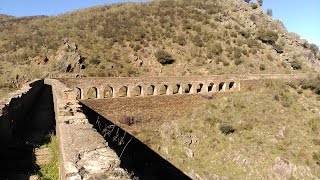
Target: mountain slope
{"type": "Point", "coordinates": [199, 36]}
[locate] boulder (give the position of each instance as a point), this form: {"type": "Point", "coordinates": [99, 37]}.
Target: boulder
{"type": "Point", "coordinates": [69, 60]}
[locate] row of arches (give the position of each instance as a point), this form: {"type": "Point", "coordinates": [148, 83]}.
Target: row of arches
{"type": "Point", "coordinates": [151, 90]}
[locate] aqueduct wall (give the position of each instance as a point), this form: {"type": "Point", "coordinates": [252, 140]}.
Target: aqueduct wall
{"type": "Point", "coordinates": [76, 134]}
{"type": "Point", "coordinates": [147, 86]}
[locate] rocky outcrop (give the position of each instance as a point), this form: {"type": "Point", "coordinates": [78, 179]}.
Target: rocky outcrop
{"type": "Point", "coordinates": [68, 59]}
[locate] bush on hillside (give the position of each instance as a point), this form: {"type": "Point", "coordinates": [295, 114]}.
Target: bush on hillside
{"type": "Point", "coordinates": [314, 48]}
{"type": "Point", "coordinates": [296, 64]}
{"type": "Point", "coordinates": [312, 83]}
{"type": "Point", "coordinates": [254, 5]}
{"type": "Point", "coordinates": [269, 12]}
{"type": "Point", "coordinates": [181, 40]}
{"type": "Point", "coordinates": [278, 48]}
{"type": "Point", "coordinates": [267, 36]}
{"type": "Point", "coordinates": [164, 57]}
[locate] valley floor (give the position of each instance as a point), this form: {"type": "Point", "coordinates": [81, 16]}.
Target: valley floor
{"type": "Point", "coordinates": [271, 132]}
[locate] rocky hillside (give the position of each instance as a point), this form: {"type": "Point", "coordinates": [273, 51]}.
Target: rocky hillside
{"type": "Point", "coordinates": [162, 37]}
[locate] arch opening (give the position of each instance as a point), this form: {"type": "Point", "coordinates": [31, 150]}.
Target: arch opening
{"type": "Point", "coordinates": [123, 91]}
{"type": "Point", "coordinates": [79, 91]}
{"type": "Point", "coordinates": [222, 86]}
{"type": "Point", "coordinates": [108, 92]}
{"type": "Point", "coordinates": [176, 88]}
{"type": "Point", "coordinates": [232, 85]}
{"type": "Point", "coordinates": [92, 93]}
{"type": "Point", "coordinates": [199, 88]}
{"type": "Point", "coordinates": [163, 89]}
{"type": "Point", "coordinates": [150, 90]}
{"type": "Point", "coordinates": [187, 89]}
{"type": "Point", "coordinates": [212, 87]}
{"type": "Point", "coordinates": [137, 91]}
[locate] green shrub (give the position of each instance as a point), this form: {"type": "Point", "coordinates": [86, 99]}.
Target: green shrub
{"type": "Point", "coordinates": [252, 43]}
{"type": "Point", "coordinates": [296, 64]}
{"type": "Point", "coordinates": [267, 36]}
{"type": "Point", "coordinates": [262, 67]}
{"type": "Point", "coordinates": [312, 83]}
{"type": "Point", "coordinates": [181, 40]}
{"type": "Point", "coordinates": [254, 5]}
{"type": "Point", "coordinates": [245, 34]}
{"type": "Point", "coordinates": [269, 57]}
{"type": "Point", "coordinates": [316, 158]}
{"type": "Point", "coordinates": [269, 12]}
{"type": "Point", "coordinates": [225, 63]}
{"type": "Point", "coordinates": [164, 57]}
{"type": "Point", "coordinates": [314, 48]}
{"type": "Point", "coordinates": [226, 129]}
{"type": "Point", "coordinates": [238, 61]}
{"type": "Point", "coordinates": [198, 41]}
{"type": "Point", "coordinates": [278, 48]}
{"type": "Point", "coordinates": [216, 49]}
{"type": "Point", "coordinates": [237, 53]}
{"type": "Point", "coordinates": [95, 61]}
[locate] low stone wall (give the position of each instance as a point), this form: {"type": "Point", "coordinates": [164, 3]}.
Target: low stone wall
{"type": "Point", "coordinates": [84, 154]}
{"type": "Point", "coordinates": [14, 108]}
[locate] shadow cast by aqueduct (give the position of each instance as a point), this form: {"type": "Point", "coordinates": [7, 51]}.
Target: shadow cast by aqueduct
{"type": "Point", "coordinates": [135, 156]}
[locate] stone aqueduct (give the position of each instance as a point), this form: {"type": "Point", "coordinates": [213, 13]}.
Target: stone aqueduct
{"type": "Point", "coordinates": [81, 146]}
{"type": "Point", "coordinates": [129, 87]}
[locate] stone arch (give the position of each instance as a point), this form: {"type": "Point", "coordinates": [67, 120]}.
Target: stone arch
{"type": "Point", "coordinates": [92, 93]}
{"type": "Point", "coordinates": [162, 89]}
{"type": "Point", "coordinates": [222, 86]}
{"type": "Point", "coordinates": [108, 92]}
{"type": "Point", "coordinates": [187, 89]}
{"type": "Point", "coordinates": [199, 87]}
{"type": "Point", "coordinates": [136, 91]}
{"type": "Point", "coordinates": [212, 87]}
{"type": "Point", "coordinates": [232, 85]}
{"type": "Point", "coordinates": [123, 91]}
{"type": "Point", "coordinates": [150, 90]}
{"type": "Point", "coordinates": [176, 89]}
{"type": "Point", "coordinates": [79, 93]}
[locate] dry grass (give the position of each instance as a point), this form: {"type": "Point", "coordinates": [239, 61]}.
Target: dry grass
{"type": "Point", "coordinates": [240, 135]}
{"type": "Point", "coordinates": [122, 40]}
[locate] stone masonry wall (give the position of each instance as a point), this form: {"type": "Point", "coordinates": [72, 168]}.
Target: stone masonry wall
{"type": "Point", "coordinates": [84, 154]}
{"type": "Point", "coordinates": [15, 107]}
{"type": "Point", "coordinates": [112, 86]}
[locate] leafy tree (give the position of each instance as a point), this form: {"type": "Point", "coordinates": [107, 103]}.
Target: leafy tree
{"type": "Point", "coordinates": [269, 12]}
{"type": "Point", "coordinates": [267, 36]}
{"type": "Point", "coordinates": [314, 48]}
{"type": "Point", "coordinates": [260, 2]}
{"type": "Point", "coordinates": [164, 57]}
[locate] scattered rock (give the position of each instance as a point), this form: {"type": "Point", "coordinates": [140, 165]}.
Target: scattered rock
{"type": "Point", "coordinates": [188, 152]}
{"type": "Point", "coordinates": [69, 60]}
{"type": "Point", "coordinates": [283, 169]}
{"type": "Point", "coordinates": [129, 120]}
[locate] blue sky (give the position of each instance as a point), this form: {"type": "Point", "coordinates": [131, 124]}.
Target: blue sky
{"type": "Point", "coordinates": [302, 17]}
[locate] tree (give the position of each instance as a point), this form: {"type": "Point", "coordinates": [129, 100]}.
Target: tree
{"type": "Point", "coordinates": [247, 1]}
{"type": "Point", "coordinates": [260, 2]}
{"type": "Point", "coordinates": [164, 57]}
{"type": "Point", "coordinates": [267, 36]}
{"type": "Point", "coordinates": [269, 12]}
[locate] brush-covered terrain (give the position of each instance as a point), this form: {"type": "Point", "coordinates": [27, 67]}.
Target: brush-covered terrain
{"type": "Point", "coordinates": [161, 37]}
{"type": "Point", "coordinates": [269, 133]}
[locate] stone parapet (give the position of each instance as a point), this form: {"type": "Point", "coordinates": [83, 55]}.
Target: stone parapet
{"type": "Point", "coordinates": [84, 154]}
